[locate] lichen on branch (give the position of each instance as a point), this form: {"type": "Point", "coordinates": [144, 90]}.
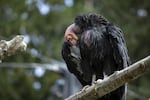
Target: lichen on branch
{"type": "Point", "coordinates": [8, 48]}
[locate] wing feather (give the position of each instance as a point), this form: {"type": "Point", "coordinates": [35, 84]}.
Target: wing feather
{"type": "Point", "coordinates": [72, 58]}
{"type": "Point", "coordinates": [118, 44]}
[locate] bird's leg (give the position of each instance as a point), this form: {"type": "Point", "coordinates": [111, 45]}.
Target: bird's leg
{"type": "Point", "coordinates": [93, 82]}
{"type": "Point", "coordinates": [93, 79]}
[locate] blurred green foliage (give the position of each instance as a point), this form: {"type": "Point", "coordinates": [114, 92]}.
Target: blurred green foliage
{"type": "Point", "coordinates": [44, 30]}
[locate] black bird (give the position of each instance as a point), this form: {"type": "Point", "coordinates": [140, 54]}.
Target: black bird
{"type": "Point", "coordinates": [95, 47]}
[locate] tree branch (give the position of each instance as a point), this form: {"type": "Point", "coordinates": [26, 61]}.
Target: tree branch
{"type": "Point", "coordinates": [112, 82]}
{"type": "Point", "coordinates": [8, 48]}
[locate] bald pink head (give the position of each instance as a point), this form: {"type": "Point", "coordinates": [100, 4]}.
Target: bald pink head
{"type": "Point", "coordinates": [71, 34]}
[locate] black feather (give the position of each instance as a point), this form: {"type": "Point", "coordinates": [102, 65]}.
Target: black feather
{"type": "Point", "coordinates": [102, 52]}
{"type": "Point", "coordinates": [73, 60]}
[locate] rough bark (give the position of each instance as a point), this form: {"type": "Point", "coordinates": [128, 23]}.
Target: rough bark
{"type": "Point", "coordinates": [112, 82]}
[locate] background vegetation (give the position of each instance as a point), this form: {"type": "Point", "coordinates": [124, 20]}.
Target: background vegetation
{"type": "Point", "coordinates": [43, 23]}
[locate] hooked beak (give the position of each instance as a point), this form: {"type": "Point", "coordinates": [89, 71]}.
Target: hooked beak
{"type": "Point", "coordinates": [70, 35]}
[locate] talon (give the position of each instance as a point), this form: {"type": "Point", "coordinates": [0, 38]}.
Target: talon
{"type": "Point", "coordinates": [94, 82]}
{"type": "Point", "coordinates": [99, 80]}
{"type": "Point", "coordinates": [85, 87]}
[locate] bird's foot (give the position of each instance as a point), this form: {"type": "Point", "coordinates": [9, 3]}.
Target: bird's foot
{"type": "Point", "coordinates": [99, 81]}
{"type": "Point", "coordinates": [85, 87]}
{"type": "Point", "coordinates": [96, 82]}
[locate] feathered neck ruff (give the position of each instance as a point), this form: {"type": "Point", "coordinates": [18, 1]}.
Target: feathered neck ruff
{"type": "Point", "coordinates": [90, 20]}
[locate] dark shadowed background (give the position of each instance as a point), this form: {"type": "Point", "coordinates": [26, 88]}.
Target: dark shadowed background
{"type": "Point", "coordinates": [39, 73]}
